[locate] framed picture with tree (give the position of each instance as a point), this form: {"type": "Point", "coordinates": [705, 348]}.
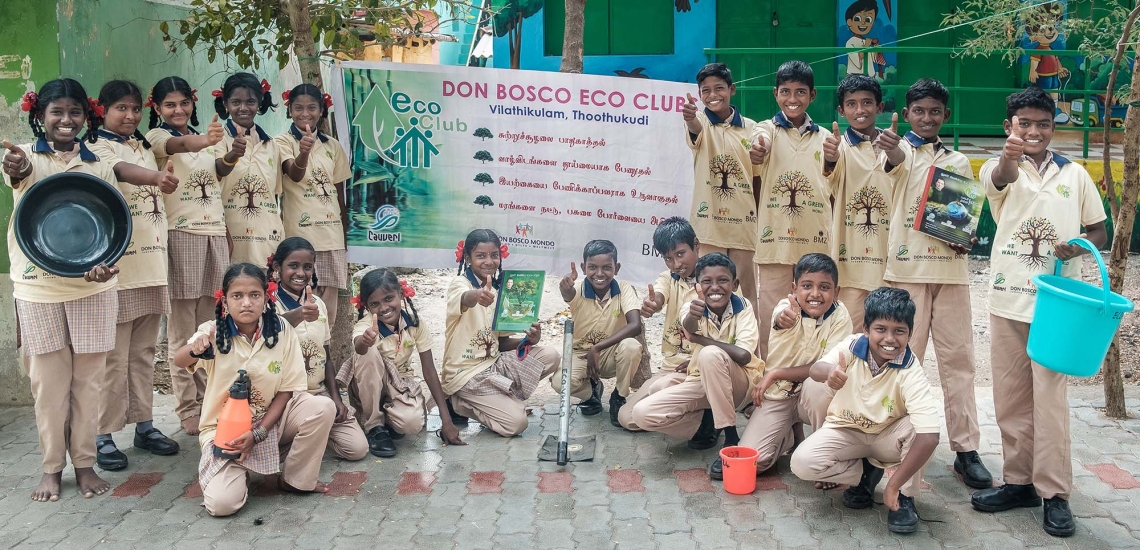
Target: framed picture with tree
{"type": "Point", "coordinates": [520, 298]}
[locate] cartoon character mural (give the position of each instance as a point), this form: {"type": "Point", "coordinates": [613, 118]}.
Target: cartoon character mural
{"type": "Point", "coordinates": [1043, 33]}
{"type": "Point", "coordinates": [864, 24]}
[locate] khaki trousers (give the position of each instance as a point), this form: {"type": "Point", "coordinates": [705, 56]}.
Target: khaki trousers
{"type": "Point", "coordinates": [676, 411]}
{"type": "Point", "coordinates": [181, 323]}
{"type": "Point", "coordinates": [769, 429]}
{"type": "Point", "coordinates": [330, 297]}
{"type": "Point", "coordinates": [381, 401]}
{"type": "Point", "coordinates": [664, 378]}
{"type": "Point", "coordinates": [1032, 409]}
{"type": "Point", "coordinates": [347, 440]}
{"type": "Point", "coordinates": [618, 362]}
{"type": "Point", "coordinates": [775, 285]}
{"type": "Point", "coordinates": [66, 386]}
{"type": "Point", "coordinates": [745, 269]}
{"type": "Point", "coordinates": [943, 311]}
{"type": "Point", "coordinates": [128, 387]}
{"type": "Point", "coordinates": [305, 430]}
{"type": "Point", "coordinates": [501, 413]}
{"type": "Point", "coordinates": [852, 299]}
{"type": "Point", "coordinates": [835, 455]}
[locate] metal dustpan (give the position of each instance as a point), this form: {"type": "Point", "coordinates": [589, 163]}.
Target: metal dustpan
{"type": "Point", "coordinates": [564, 449]}
{"type": "Point", "coordinates": [578, 449]}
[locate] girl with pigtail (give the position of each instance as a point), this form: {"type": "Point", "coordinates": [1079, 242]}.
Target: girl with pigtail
{"type": "Point", "coordinates": [248, 162]}
{"type": "Point", "coordinates": [198, 247]}
{"type": "Point", "coordinates": [293, 267]}
{"type": "Point", "coordinates": [248, 334]}
{"type": "Point", "coordinates": [312, 204]}
{"type": "Point", "coordinates": [382, 385]}
{"type": "Point", "coordinates": [484, 382]}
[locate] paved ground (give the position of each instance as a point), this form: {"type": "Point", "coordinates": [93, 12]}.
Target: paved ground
{"type": "Point", "coordinates": [642, 491]}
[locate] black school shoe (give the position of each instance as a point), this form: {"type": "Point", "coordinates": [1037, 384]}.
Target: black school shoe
{"type": "Point", "coordinates": [974, 473]}
{"type": "Point", "coordinates": [707, 435]}
{"type": "Point", "coordinates": [1006, 497]}
{"type": "Point", "coordinates": [111, 462]}
{"type": "Point", "coordinates": [863, 495]}
{"type": "Point", "coordinates": [905, 519]}
{"type": "Point", "coordinates": [456, 418]}
{"type": "Point", "coordinates": [1058, 519]}
{"type": "Point", "coordinates": [161, 446]}
{"type": "Point", "coordinates": [593, 405]}
{"type": "Point", "coordinates": [380, 442]}
{"type": "Point", "coordinates": [616, 403]}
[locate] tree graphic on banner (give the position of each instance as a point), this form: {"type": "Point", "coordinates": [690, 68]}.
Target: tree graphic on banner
{"type": "Point", "coordinates": [484, 201]}
{"type": "Point", "coordinates": [484, 178]}
{"type": "Point", "coordinates": [483, 134]}
{"type": "Point", "coordinates": [483, 156]}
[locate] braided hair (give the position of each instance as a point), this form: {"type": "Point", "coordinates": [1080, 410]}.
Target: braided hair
{"type": "Point", "coordinates": [248, 81]}
{"type": "Point", "coordinates": [311, 91]}
{"type": "Point", "coordinates": [475, 238]}
{"type": "Point", "coordinates": [62, 88]}
{"type": "Point", "coordinates": [115, 91]}
{"type": "Point", "coordinates": [166, 87]}
{"type": "Point", "coordinates": [270, 323]}
{"type": "Point", "coordinates": [287, 247]}
{"type": "Point", "coordinates": [383, 279]}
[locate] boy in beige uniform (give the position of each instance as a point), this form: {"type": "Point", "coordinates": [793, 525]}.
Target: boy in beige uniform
{"type": "Point", "coordinates": [724, 368]}
{"type": "Point", "coordinates": [883, 414]}
{"type": "Point", "coordinates": [607, 322]}
{"type": "Point", "coordinates": [1040, 200]}
{"type": "Point", "coordinates": [806, 324]}
{"type": "Point", "coordinates": [936, 274]}
{"type": "Point", "coordinates": [724, 203]}
{"type": "Point", "coordinates": [854, 165]}
{"type": "Point", "coordinates": [793, 208]}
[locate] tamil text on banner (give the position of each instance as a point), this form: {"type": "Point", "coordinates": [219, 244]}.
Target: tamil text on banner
{"type": "Point", "coordinates": [547, 160]}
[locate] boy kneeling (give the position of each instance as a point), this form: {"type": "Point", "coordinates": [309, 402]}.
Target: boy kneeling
{"type": "Point", "coordinates": [883, 413]}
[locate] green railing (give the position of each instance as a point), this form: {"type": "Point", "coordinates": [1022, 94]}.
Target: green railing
{"type": "Point", "coordinates": [765, 82]}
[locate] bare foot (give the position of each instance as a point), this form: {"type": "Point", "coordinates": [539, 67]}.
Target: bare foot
{"type": "Point", "coordinates": [825, 486]}
{"type": "Point", "coordinates": [190, 425]}
{"type": "Point", "coordinates": [90, 484]}
{"type": "Point", "coordinates": [48, 489]}
{"type": "Point", "coordinates": [320, 488]}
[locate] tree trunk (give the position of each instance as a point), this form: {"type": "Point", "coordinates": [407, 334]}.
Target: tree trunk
{"type": "Point", "coordinates": [515, 37]}
{"type": "Point", "coordinates": [1121, 238]}
{"type": "Point", "coordinates": [572, 36]}
{"type": "Point", "coordinates": [304, 47]}
{"type": "Point", "coordinates": [1121, 47]}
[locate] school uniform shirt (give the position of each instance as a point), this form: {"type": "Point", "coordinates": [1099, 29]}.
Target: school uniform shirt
{"type": "Point", "coordinates": [724, 208]}
{"type": "Point", "coordinates": [30, 283]}
{"type": "Point", "coordinates": [470, 345]}
{"type": "Point", "coordinates": [861, 219]}
{"type": "Point", "coordinates": [398, 345]}
{"type": "Point", "coordinates": [795, 200]}
{"type": "Point", "coordinates": [594, 322]}
{"type": "Point", "coordinates": [270, 370]}
{"type": "Point", "coordinates": [737, 326]}
{"type": "Point", "coordinates": [802, 344]}
{"type": "Point", "coordinates": [914, 256]}
{"type": "Point", "coordinates": [311, 208]}
{"type": "Point", "coordinates": [196, 206]}
{"type": "Point", "coordinates": [144, 263]}
{"type": "Point", "coordinates": [675, 348]}
{"type": "Point", "coordinates": [249, 196]}
{"type": "Point", "coordinates": [871, 404]}
{"type": "Point", "coordinates": [313, 336]}
{"type": "Point", "coordinates": [1033, 214]}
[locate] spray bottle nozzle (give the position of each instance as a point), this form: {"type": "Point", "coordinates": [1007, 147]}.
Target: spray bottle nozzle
{"type": "Point", "coordinates": [240, 388]}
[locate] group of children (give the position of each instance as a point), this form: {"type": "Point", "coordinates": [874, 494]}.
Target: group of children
{"type": "Point", "coordinates": [807, 299]}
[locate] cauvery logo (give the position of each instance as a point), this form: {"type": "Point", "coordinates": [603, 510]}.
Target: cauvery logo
{"type": "Point", "coordinates": [903, 250]}
{"type": "Point", "coordinates": [999, 279]}
{"type": "Point", "coordinates": [387, 217]}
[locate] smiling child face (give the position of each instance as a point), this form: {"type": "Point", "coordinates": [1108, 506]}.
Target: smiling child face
{"type": "Point", "coordinates": [862, 22]}
{"type": "Point", "coordinates": [887, 338]}
{"type": "Point", "coordinates": [718, 284]}
{"type": "Point", "coordinates": [600, 270]}
{"type": "Point", "coordinates": [815, 291]}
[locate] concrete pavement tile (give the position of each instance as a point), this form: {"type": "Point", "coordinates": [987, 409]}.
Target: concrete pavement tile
{"type": "Point", "coordinates": [553, 533]}
{"type": "Point", "coordinates": [514, 541]}
{"type": "Point", "coordinates": [476, 535]}
{"type": "Point", "coordinates": [555, 506]}
{"type": "Point", "coordinates": [675, 541]}
{"type": "Point", "coordinates": [591, 518]}
{"type": "Point", "coordinates": [629, 506]}
{"type": "Point", "coordinates": [793, 533]}
{"type": "Point", "coordinates": [759, 540]}
{"type": "Point", "coordinates": [667, 520]}
{"type": "Point", "coordinates": [1109, 533]}
{"type": "Point", "coordinates": [516, 521]}
{"type": "Point", "coordinates": [632, 533]}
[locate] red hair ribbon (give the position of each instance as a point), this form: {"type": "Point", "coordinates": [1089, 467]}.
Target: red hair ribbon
{"type": "Point", "coordinates": [408, 290]}
{"type": "Point", "coordinates": [217, 93]}
{"type": "Point", "coordinates": [265, 86]}
{"type": "Point", "coordinates": [96, 108]}
{"type": "Point", "coordinates": [355, 301]}
{"type": "Point", "coordinates": [269, 260]}
{"type": "Point", "coordinates": [503, 254]}
{"type": "Point", "coordinates": [219, 296]}
{"type": "Point", "coordinates": [285, 96]}
{"type": "Point", "coordinates": [149, 102]}
{"type": "Point", "coordinates": [29, 102]}
{"type": "Point", "coordinates": [194, 95]}
{"type": "Point", "coordinates": [328, 100]}
{"type": "Point", "coordinates": [459, 253]}
{"type": "Point", "coordinates": [271, 291]}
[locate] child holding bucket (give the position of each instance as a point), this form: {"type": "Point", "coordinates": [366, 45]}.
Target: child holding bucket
{"type": "Point", "coordinates": [1038, 198]}
{"type": "Point", "coordinates": [883, 413]}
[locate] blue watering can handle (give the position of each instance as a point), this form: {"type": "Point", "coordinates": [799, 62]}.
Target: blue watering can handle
{"type": "Point", "coordinates": [1087, 245]}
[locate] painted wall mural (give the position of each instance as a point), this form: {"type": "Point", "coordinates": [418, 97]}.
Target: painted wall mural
{"type": "Point", "coordinates": [866, 23]}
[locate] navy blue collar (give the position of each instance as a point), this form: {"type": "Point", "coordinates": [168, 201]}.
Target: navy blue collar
{"type": "Point", "coordinates": [298, 135]}
{"type": "Point", "coordinates": [854, 137]}
{"type": "Point", "coordinates": [232, 130]}
{"type": "Point", "coordinates": [174, 132]}
{"type": "Point", "coordinates": [233, 326]}
{"type": "Point", "coordinates": [735, 301]}
{"type": "Point", "coordinates": [862, 349]}
{"type": "Point", "coordinates": [918, 141]}
{"type": "Point", "coordinates": [783, 122]}
{"type": "Point", "coordinates": [107, 134]}
{"type": "Point", "coordinates": [826, 314]}
{"type": "Point", "coordinates": [1059, 160]}
{"type": "Point", "coordinates": [588, 291]}
{"type": "Point", "coordinates": [85, 154]}
{"type": "Point", "coordinates": [475, 282]}
{"type": "Point", "coordinates": [736, 118]}
{"type": "Point", "coordinates": [386, 332]}
{"type": "Point", "coordinates": [287, 299]}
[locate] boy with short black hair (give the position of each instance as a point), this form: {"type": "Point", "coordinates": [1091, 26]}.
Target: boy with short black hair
{"type": "Point", "coordinates": [722, 329]}
{"type": "Point", "coordinates": [1038, 198]}
{"type": "Point", "coordinates": [793, 203]}
{"type": "Point", "coordinates": [806, 323]}
{"type": "Point", "coordinates": [607, 322]}
{"type": "Point", "coordinates": [883, 413]}
{"type": "Point", "coordinates": [724, 203]}
{"type": "Point", "coordinates": [854, 163]}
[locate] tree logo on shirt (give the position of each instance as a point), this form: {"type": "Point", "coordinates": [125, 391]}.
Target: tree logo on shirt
{"type": "Point", "coordinates": [257, 404]}
{"type": "Point", "coordinates": [889, 404]}
{"type": "Point", "coordinates": [1064, 190]}
{"type": "Point", "coordinates": [202, 181]}
{"type": "Point", "coordinates": [1035, 231]}
{"type": "Point", "coordinates": [794, 185]}
{"type": "Point", "coordinates": [249, 187]}
{"type": "Point", "coordinates": [724, 167]}
{"type": "Point", "coordinates": [484, 339]}
{"type": "Point", "coordinates": [865, 202]}
{"type": "Point", "coordinates": [274, 367]}
{"type": "Point", "coordinates": [309, 350]}
{"type": "Point", "coordinates": [858, 419]}
{"type": "Point", "coordinates": [149, 193]}
{"type": "Point", "coordinates": [318, 179]}
{"type": "Point", "coordinates": [591, 339]}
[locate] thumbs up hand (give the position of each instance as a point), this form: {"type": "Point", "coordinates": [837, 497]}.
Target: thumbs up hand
{"type": "Point", "coordinates": [487, 294]}
{"type": "Point", "coordinates": [237, 148]}
{"type": "Point", "coordinates": [650, 306]}
{"type": "Point", "coordinates": [310, 312]}
{"type": "Point", "coordinates": [1014, 144]}
{"type": "Point", "coordinates": [567, 283]}
{"type": "Point", "coordinates": [16, 163]}
{"type": "Point", "coordinates": [165, 180]}
{"type": "Point", "coordinates": [689, 109]}
{"type": "Point", "coordinates": [307, 141]}
{"type": "Point", "coordinates": [214, 132]}
{"type": "Point", "coordinates": [372, 333]}
{"type": "Point", "coordinates": [759, 151]}
{"type": "Point", "coordinates": [831, 144]}
{"type": "Point", "coordinates": [838, 376]}
{"type": "Point", "coordinates": [697, 307]}
{"type": "Point", "coordinates": [790, 315]}
{"type": "Point", "coordinates": [888, 142]}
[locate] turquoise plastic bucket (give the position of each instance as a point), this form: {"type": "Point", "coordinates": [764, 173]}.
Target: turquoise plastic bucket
{"type": "Point", "coordinates": [1074, 322]}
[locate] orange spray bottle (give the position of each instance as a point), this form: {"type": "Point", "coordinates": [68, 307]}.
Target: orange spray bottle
{"type": "Point", "coordinates": [235, 420]}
